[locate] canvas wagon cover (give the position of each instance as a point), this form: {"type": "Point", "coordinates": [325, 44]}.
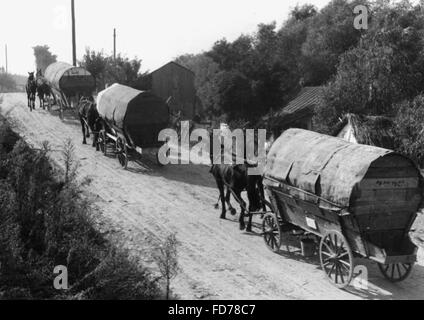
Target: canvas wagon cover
{"type": "Point", "coordinates": [140, 114]}
{"type": "Point", "coordinates": [325, 166]}
{"type": "Point", "coordinates": [60, 75]}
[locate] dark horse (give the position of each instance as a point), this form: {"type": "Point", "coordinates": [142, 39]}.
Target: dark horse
{"type": "Point", "coordinates": [90, 119]}
{"type": "Point", "coordinates": [235, 179]}
{"type": "Point", "coordinates": [31, 89]}
{"type": "Point", "coordinates": [44, 91]}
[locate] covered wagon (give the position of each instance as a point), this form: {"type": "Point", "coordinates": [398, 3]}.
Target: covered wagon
{"type": "Point", "coordinates": [356, 199]}
{"type": "Point", "coordinates": [133, 120]}
{"type": "Point", "coordinates": [69, 83]}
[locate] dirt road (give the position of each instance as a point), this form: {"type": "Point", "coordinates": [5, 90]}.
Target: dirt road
{"type": "Point", "coordinates": [218, 261]}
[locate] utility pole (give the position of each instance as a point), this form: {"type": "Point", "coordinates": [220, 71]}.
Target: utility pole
{"type": "Point", "coordinates": [114, 44]}
{"type": "Point", "coordinates": [6, 58]}
{"type": "Point", "coordinates": [74, 45]}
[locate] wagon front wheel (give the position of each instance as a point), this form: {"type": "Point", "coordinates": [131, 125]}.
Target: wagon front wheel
{"type": "Point", "coordinates": [396, 272]}
{"type": "Point", "coordinates": [336, 259]}
{"type": "Point", "coordinates": [271, 231]}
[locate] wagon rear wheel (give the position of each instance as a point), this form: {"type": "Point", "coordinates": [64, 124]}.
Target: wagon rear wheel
{"type": "Point", "coordinates": [396, 272]}
{"type": "Point", "coordinates": [336, 259]}
{"type": "Point", "coordinates": [271, 231]}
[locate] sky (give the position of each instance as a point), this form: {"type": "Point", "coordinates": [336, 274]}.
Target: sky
{"type": "Point", "coordinates": [155, 31]}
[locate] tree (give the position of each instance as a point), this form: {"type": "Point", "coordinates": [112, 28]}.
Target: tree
{"type": "Point", "coordinates": [304, 12]}
{"type": "Point", "coordinates": [7, 83]}
{"type": "Point", "coordinates": [43, 57]}
{"type": "Point", "coordinates": [330, 34]}
{"type": "Point", "coordinates": [108, 70]}
{"type": "Point", "coordinates": [95, 63]}
{"type": "Point", "coordinates": [122, 70]}
{"type": "Point", "coordinates": [385, 69]}
{"type": "Point", "coordinates": [166, 257]}
{"type": "Point", "coordinates": [205, 70]}
{"type": "Point", "coordinates": [409, 128]}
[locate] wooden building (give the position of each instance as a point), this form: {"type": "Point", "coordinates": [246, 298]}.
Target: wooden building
{"type": "Point", "coordinates": [297, 113]}
{"type": "Point", "coordinates": [175, 83]}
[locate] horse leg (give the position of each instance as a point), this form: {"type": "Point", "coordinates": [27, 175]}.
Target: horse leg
{"type": "Point", "coordinates": [95, 138]}
{"type": "Point", "coordinates": [262, 196]}
{"type": "Point", "coordinates": [242, 206]}
{"type": "Point", "coordinates": [222, 196]}
{"type": "Point", "coordinates": [227, 199]}
{"type": "Point", "coordinates": [249, 224]}
{"type": "Point", "coordinates": [84, 141]}
{"type": "Point", "coordinates": [88, 129]}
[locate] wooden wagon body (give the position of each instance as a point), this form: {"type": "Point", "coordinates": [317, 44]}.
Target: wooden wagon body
{"type": "Point", "coordinates": [133, 120]}
{"type": "Point", "coordinates": [69, 83]}
{"type": "Point", "coordinates": [368, 197]}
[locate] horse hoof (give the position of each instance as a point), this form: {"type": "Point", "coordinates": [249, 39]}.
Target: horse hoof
{"type": "Point", "coordinates": [223, 217]}
{"type": "Point", "coordinates": [216, 206]}
{"type": "Point", "coordinates": [249, 229]}
{"type": "Point", "coordinates": [233, 211]}
{"type": "Point", "coordinates": [242, 228]}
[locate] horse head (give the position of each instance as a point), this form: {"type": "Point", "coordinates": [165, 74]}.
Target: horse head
{"type": "Point", "coordinates": [30, 76]}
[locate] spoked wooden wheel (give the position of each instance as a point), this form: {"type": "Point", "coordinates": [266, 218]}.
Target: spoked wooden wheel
{"type": "Point", "coordinates": [336, 259]}
{"type": "Point", "coordinates": [396, 272]}
{"type": "Point", "coordinates": [122, 152]}
{"type": "Point", "coordinates": [271, 231]}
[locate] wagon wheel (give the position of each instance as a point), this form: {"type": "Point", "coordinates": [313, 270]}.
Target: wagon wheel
{"type": "Point", "coordinates": [271, 231]}
{"type": "Point", "coordinates": [336, 259]}
{"type": "Point", "coordinates": [396, 272]}
{"type": "Point", "coordinates": [122, 153]}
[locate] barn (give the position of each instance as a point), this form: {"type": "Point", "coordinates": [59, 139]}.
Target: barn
{"type": "Point", "coordinates": [174, 80]}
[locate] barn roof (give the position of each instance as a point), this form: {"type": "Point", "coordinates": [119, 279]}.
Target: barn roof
{"type": "Point", "coordinates": [174, 63]}
{"type": "Point", "coordinates": [306, 100]}
{"type": "Point", "coordinates": [326, 166]}
{"type": "Point", "coordinates": [302, 106]}
{"type": "Point", "coordinates": [371, 130]}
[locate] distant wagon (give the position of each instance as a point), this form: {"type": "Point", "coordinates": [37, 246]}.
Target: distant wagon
{"type": "Point", "coordinates": [69, 83]}
{"type": "Point", "coordinates": [357, 200]}
{"type": "Point", "coordinates": [133, 120]}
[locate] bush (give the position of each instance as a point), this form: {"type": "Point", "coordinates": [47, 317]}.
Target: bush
{"type": "Point", "coordinates": [44, 222]}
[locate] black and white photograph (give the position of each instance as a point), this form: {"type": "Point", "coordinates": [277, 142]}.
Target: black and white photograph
{"type": "Point", "coordinates": [211, 155]}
